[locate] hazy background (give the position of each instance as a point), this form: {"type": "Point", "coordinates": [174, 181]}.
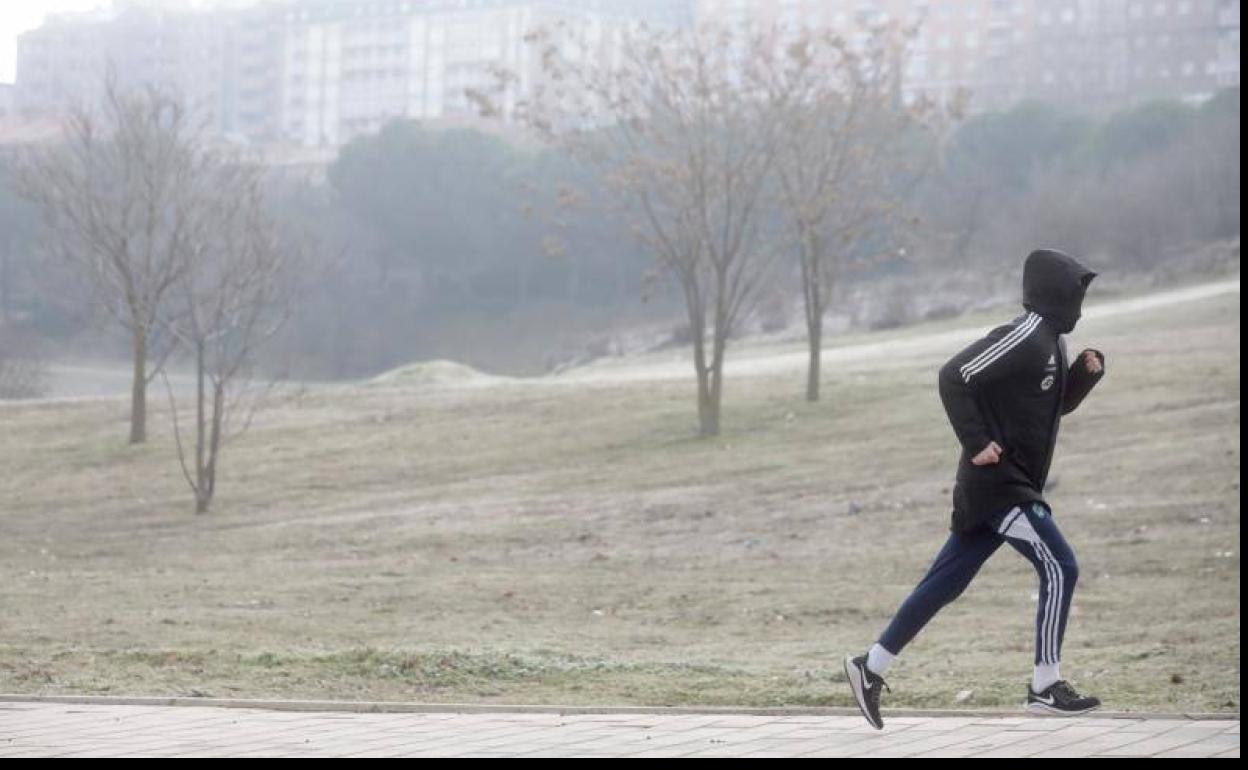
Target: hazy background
{"type": "Point", "coordinates": [437, 234]}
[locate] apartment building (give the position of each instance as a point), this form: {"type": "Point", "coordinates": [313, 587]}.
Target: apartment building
{"type": "Point", "coordinates": [252, 74]}
{"type": "Point", "coordinates": [349, 67]}
{"type": "Point", "coordinates": [64, 63]}
{"type": "Point", "coordinates": [315, 73]}
{"type": "Point", "coordinates": [1094, 54]}
{"type": "Point", "coordinates": [1110, 51]}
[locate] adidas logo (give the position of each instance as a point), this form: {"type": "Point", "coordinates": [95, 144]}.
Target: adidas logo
{"type": "Point", "coordinates": [1052, 360]}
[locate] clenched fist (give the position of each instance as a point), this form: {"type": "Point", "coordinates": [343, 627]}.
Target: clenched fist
{"type": "Point", "coordinates": [990, 456]}
{"type": "Point", "coordinates": [1092, 362]}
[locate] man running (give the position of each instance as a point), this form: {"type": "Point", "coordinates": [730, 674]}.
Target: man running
{"type": "Point", "coordinates": [1005, 396]}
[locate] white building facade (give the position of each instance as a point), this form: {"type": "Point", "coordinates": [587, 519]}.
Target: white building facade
{"type": "Point", "coordinates": [1092, 54]}
{"type": "Point", "coordinates": [317, 73]}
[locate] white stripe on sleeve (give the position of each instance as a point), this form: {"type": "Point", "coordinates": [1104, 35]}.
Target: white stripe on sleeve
{"type": "Point", "coordinates": [1000, 348]}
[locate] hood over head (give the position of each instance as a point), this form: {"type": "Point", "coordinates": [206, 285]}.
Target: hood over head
{"type": "Point", "coordinates": [1054, 285]}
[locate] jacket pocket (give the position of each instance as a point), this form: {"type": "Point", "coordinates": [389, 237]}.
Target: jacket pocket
{"type": "Point", "coordinates": [980, 475]}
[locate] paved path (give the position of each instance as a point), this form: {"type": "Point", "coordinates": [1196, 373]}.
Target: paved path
{"type": "Point", "coordinates": [57, 729]}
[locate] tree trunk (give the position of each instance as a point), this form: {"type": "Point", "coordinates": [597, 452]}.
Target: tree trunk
{"type": "Point", "coordinates": [812, 288]}
{"type": "Point", "coordinates": [208, 476]}
{"type": "Point", "coordinates": [214, 442]}
{"type": "Point", "coordinates": [708, 403]}
{"type": "Point", "coordinates": [202, 494]}
{"type": "Point", "coordinates": [709, 413]}
{"type": "Point", "coordinates": [709, 399]}
{"type": "Point", "coordinates": [815, 297]}
{"type": "Point", "coordinates": [138, 389]}
{"type": "Point", "coordinates": [814, 337]}
{"type": "Point", "coordinates": [708, 409]}
{"type": "Point", "coordinates": [716, 395]}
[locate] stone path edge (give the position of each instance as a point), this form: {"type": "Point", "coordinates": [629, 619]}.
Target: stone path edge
{"type": "Point", "coordinates": [398, 707]}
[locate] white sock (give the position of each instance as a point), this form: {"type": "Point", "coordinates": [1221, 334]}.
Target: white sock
{"type": "Point", "coordinates": [1045, 676]}
{"type": "Point", "coordinates": [879, 659]}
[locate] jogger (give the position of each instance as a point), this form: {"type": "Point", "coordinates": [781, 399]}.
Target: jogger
{"type": "Point", "coordinates": [1005, 396]}
{"type": "Point", "coordinates": [1030, 529]}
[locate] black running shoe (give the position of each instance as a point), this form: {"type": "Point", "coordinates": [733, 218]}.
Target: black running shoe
{"type": "Point", "coordinates": [866, 687]}
{"type": "Point", "coordinates": [1060, 700]}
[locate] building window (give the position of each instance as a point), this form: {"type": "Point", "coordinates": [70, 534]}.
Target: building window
{"type": "Point", "coordinates": [1159, 9]}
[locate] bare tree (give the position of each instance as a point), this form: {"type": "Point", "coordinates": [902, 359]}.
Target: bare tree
{"type": "Point", "coordinates": [840, 166]}
{"type": "Point", "coordinates": [233, 297]}
{"type": "Point", "coordinates": [110, 192]}
{"type": "Point", "coordinates": [678, 126]}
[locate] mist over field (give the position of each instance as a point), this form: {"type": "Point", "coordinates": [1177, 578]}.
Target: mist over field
{"type": "Point", "coordinates": [585, 353]}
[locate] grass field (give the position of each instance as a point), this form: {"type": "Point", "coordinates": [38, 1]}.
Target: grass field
{"type": "Point", "coordinates": [571, 541]}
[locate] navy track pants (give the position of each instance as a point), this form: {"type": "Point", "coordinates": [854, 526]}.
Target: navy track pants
{"type": "Point", "coordinates": [1030, 529]}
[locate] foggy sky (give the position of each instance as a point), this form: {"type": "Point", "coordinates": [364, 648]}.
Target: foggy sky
{"type": "Point", "coordinates": [24, 15]}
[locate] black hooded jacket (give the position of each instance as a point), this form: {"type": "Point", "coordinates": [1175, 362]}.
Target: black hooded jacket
{"type": "Point", "coordinates": [1012, 387]}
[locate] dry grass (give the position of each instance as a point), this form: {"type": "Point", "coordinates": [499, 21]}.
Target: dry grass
{"type": "Point", "coordinates": [575, 544]}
